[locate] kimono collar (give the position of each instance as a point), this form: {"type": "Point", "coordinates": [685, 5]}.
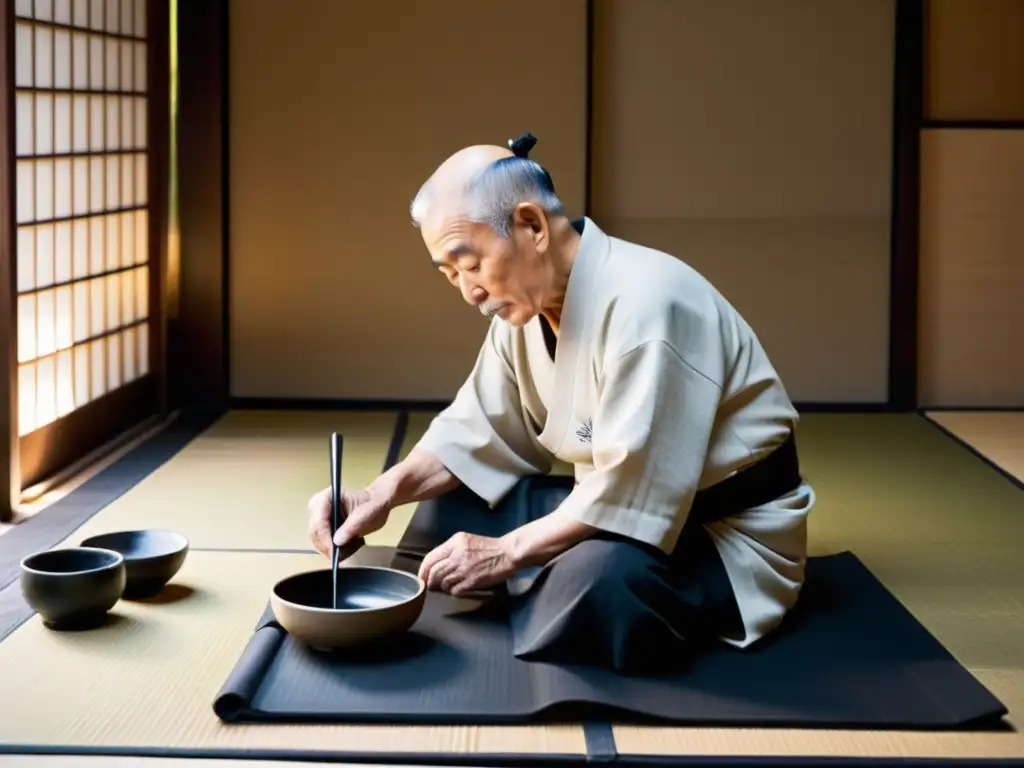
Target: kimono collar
{"type": "Point", "coordinates": [590, 255]}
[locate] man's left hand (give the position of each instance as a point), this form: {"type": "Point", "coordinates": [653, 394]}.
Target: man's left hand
{"type": "Point", "coordinates": [467, 562]}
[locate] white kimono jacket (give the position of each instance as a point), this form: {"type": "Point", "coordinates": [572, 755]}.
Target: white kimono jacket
{"type": "Point", "coordinates": [658, 388]}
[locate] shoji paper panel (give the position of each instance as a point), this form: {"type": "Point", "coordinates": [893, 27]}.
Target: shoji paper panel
{"type": "Point", "coordinates": [82, 210]}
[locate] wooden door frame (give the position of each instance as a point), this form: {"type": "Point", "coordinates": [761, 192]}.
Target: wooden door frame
{"type": "Point", "coordinates": [198, 331]}
{"type": "Point", "coordinates": [10, 490]}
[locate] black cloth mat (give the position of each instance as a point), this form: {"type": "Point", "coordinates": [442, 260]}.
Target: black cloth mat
{"type": "Point", "coordinates": [850, 656]}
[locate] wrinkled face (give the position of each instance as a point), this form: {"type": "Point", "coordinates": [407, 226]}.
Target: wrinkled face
{"type": "Point", "coordinates": [504, 277]}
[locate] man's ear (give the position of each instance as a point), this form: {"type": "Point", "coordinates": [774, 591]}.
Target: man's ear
{"type": "Point", "coordinates": [531, 220]}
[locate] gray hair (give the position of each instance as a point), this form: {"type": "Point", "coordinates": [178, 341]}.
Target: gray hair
{"type": "Point", "coordinates": [491, 195]}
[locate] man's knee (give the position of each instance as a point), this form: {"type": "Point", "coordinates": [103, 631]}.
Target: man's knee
{"type": "Point", "coordinates": [599, 567]}
{"type": "Point", "coordinates": [603, 601]}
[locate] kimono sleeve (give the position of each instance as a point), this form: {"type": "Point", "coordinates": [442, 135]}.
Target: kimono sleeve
{"type": "Point", "coordinates": [483, 436]}
{"type": "Point", "coordinates": [650, 438]}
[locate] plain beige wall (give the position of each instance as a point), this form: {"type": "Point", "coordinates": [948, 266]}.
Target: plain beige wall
{"type": "Point", "coordinates": [338, 111]}
{"type": "Point", "coordinates": [734, 146]}
{"type": "Point", "coordinates": [752, 139]}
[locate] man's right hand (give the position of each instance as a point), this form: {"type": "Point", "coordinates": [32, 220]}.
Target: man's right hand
{"type": "Point", "coordinates": [361, 513]}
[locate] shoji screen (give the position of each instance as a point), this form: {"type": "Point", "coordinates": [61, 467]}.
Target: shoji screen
{"type": "Point", "coordinates": [339, 110]}
{"type": "Point", "coordinates": [82, 219]}
{"type": "Point", "coordinates": [752, 139]}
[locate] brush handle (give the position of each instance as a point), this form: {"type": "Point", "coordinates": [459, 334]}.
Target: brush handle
{"type": "Point", "coordinates": [336, 515]}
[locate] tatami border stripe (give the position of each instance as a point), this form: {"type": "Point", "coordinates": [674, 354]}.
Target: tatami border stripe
{"type": "Point", "coordinates": [397, 439]}
{"type": "Point", "coordinates": [600, 740]}
{"type": "Point", "coordinates": [468, 759]}
{"type": "Point", "coordinates": [1014, 480]}
{"type": "Point", "coordinates": [511, 760]}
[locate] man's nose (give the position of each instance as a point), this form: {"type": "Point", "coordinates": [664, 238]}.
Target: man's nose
{"type": "Point", "coordinates": [471, 292]}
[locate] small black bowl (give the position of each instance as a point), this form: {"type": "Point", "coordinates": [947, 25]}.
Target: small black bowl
{"type": "Point", "coordinates": [151, 557]}
{"type": "Point", "coordinates": [73, 588]}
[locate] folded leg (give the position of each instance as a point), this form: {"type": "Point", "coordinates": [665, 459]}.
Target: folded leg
{"type": "Point", "coordinates": [614, 603]}
{"type": "Point", "coordinates": [608, 601]}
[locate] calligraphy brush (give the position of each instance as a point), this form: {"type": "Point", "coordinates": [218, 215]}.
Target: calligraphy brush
{"type": "Point", "coordinates": [336, 515]}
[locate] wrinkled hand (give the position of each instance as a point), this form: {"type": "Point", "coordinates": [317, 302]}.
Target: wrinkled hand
{"type": "Point", "coordinates": [466, 562]}
{"type": "Point", "coordinates": [362, 513]}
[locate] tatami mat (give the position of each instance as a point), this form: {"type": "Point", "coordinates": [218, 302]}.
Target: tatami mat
{"type": "Point", "coordinates": [149, 678]}
{"type": "Point", "coordinates": [245, 482]}
{"type": "Point", "coordinates": [996, 435]}
{"type": "Point", "coordinates": [935, 523]}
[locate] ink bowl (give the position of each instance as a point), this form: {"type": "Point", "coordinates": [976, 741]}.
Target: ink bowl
{"type": "Point", "coordinates": [152, 558]}
{"type": "Point", "coordinates": [374, 603]}
{"type": "Point", "coordinates": [74, 588]}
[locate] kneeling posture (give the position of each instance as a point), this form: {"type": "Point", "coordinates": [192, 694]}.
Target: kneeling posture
{"type": "Point", "coordinates": [686, 514]}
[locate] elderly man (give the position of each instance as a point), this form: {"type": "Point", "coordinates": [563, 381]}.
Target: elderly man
{"type": "Point", "coordinates": [686, 518]}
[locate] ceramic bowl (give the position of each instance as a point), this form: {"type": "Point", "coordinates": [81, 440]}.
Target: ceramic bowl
{"type": "Point", "coordinates": [73, 588]}
{"type": "Point", "coordinates": [151, 557]}
{"type": "Point", "coordinates": [373, 603]}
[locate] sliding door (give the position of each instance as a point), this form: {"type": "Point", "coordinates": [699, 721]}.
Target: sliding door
{"type": "Point", "coordinates": [84, 240]}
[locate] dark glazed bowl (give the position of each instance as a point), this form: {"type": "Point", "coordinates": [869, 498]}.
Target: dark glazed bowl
{"type": "Point", "coordinates": [73, 588]}
{"type": "Point", "coordinates": [152, 558]}
{"type": "Point", "coordinates": [373, 603]}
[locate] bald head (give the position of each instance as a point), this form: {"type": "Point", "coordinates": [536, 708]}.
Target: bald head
{"type": "Point", "coordinates": [464, 164]}
{"type": "Point", "coordinates": [483, 184]}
